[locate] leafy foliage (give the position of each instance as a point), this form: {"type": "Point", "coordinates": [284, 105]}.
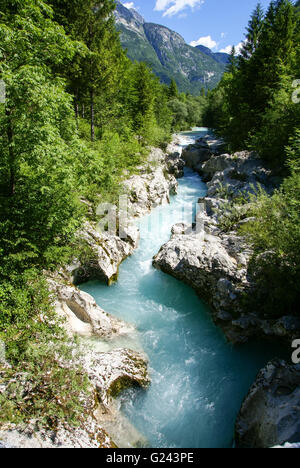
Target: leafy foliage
{"type": "Point", "coordinates": [275, 236]}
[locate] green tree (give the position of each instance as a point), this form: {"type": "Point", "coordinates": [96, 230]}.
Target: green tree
{"type": "Point", "coordinates": [233, 61]}
{"type": "Point", "coordinates": [39, 213]}
{"type": "Point", "coordinates": [275, 236]}
{"type": "Point", "coordinates": [256, 105]}
{"type": "Point", "coordinates": [254, 30]}
{"type": "Point", "coordinates": [173, 90]}
{"type": "Point", "coordinates": [180, 113]}
{"type": "Point", "coordinates": [95, 76]}
{"type": "Point", "coordinates": [141, 93]}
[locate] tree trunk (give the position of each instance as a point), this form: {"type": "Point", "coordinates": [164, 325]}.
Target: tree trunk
{"type": "Point", "coordinates": [83, 111]}
{"type": "Point", "coordinates": [11, 162]}
{"type": "Point", "coordinates": [92, 115]}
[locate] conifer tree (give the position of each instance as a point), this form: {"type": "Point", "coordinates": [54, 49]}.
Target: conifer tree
{"type": "Point", "coordinates": [173, 89]}
{"type": "Point", "coordinates": [233, 61]}
{"type": "Point", "coordinates": [142, 98]}
{"type": "Point", "coordinates": [254, 30]}
{"type": "Point", "coordinates": [98, 73]}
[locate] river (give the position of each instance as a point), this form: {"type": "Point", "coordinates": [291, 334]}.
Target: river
{"type": "Point", "coordinates": [198, 379]}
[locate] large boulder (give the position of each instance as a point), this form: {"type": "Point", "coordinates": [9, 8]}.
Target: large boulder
{"type": "Point", "coordinates": [112, 372]}
{"type": "Point", "coordinates": [243, 168]}
{"type": "Point", "coordinates": [107, 253]}
{"type": "Point", "coordinates": [149, 190]}
{"type": "Point", "coordinates": [270, 414]}
{"type": "Point", "coordinates": [206, 263]}
{"type": "Point", "coordinates": [30, 437]}
{"type": "Point", "coordinates": [215, 264]}
{"type": "Point", "coordinates": [82, 316]}
{"type": "Point", "coordinates": [215, 261]}
{"type": "Point", "coordinates": [175, 164]}
{"type": "Point", "coordinates": [195, 155]}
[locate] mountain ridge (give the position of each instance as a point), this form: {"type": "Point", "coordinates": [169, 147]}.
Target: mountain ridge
{"type": "Point", "coordinates": [167, 53]}
{"type": "Point", "coordinates": [220, 57]}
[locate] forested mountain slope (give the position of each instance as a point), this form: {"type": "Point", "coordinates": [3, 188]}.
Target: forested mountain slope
{"type": "Point", "coordinates": [167, 53]}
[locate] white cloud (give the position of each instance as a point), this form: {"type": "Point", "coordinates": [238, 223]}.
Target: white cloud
{"type": "Point", "coordinates": [223, 34]}
{"type": "Point", "coordinates": [129, 5]}
{"type": "Point", "coordinates": [172, 7]}
{"type": "Point", "coordinates": [206, 41]}
{"type": "Point", "coordinates": [238, 48]}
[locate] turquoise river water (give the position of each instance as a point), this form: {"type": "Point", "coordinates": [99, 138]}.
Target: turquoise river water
{"type": "Point", "coordinates": [198, 379]}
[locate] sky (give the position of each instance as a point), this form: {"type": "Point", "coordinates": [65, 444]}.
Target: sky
{"type": "Point", "coordinates": [217, 24]}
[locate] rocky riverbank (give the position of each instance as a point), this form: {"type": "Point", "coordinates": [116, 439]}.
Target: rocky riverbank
{"type": "Point", "coordinates": [151, 187]}
{"type": "Point", "coordinates": [270, 414]}
{"type": "Point", "coordinates": [108, 372]}
{"type": "Point", "coordinates": [214, 258]}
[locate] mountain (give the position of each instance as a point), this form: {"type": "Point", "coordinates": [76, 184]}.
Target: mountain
{"type": "Point", "coordinates": [219, 57]}
{"type": "Point", "coordinates": [167, 53]}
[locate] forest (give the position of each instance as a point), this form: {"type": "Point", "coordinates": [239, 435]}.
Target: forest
{"type": "Point", "coordinates": [256, 107]}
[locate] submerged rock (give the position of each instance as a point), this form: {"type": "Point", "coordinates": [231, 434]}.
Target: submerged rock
{"type": "Point", "coordinates": [270, 414]}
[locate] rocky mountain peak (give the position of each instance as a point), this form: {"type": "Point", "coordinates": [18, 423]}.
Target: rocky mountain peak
{"type": "Point", "coordinates": [167, 53]}
{"type": "Point", "coordinates": [130, 18]}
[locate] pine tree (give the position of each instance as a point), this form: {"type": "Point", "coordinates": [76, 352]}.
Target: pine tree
{"type": "Point", "coordinates": [274, 56]}
{"type": "Point", "coordinates": [142, 98]}
{"type": "Point", "coordinates": [98, 72]}
{"type": "Point", "coordinates": [173, 89]}
{"type": "Point", "coordinates": [233, 61]}
{"type": "Point", "coordinates": [254, 30]}
{"type": "Point", "coordinates": [257, 88]}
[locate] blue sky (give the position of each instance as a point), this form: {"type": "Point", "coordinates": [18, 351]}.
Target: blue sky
{"type": "Point", "coordinates": [218, 24]}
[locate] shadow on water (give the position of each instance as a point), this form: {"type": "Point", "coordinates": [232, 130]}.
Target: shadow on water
{"type": "Point", "coordinates": [198, 379]}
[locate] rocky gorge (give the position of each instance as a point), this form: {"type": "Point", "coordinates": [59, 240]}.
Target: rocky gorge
{"type": "Point", "coordinates": [213, 262]}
